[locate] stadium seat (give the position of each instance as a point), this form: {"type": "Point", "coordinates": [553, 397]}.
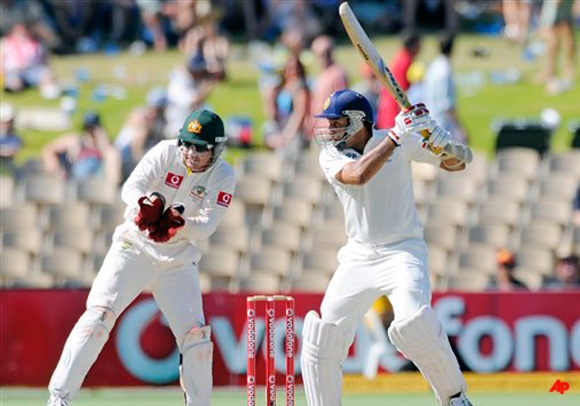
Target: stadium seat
{"type": "Point", "coordinates": [220, 261]}
{"type": "Point", "coordinates": [441, 235]}
{"type": "Point", "coordinates": [293, 212]}
{"type": "Point", "coordinates": [69, 216]}
{"type": "Point", "coordinates": [282, 236]}
{"type": "Point", "coordinates": [45, 190]}
{"type": "Point", "coordinates": [266, 166]}
{"type": "Point", "coordinates": [254, 191]}
{"type": "Point", "coordinates": [308, 165]}
{"type": "Point", "coordinates": [509, 188]}
{"type": "Point", "coordinates": [553, 211]}
{"type": "Point", "coordinates": [545, 236]}
{"type": "Point", "coordinates": [566, 163]}
{"type": "Point", "coordinates": [204, 283]}
{"type": "Point", "coordinates": [558, 186]}
{"type": "Point", "coordinates": [535, 260]}
{"type": "Point", "coordinates": [532, 280]}
{"type": "Point", "coordinates": [272, 261]}
{"type": "Point", "coordinates": [471, 282]}
{"type": "Point", "coordinates": [478, 259]}
{"type": "Point", "coordinates": [79, 239]}
{"type": "Point", "coordinates": [498, 211]}
{"type": "Point", "coordinates": [496, 235]}
{"type": "Point", "coordinates": [6, 191]}
{"type": "Point", "coordinates": [263, 283]}
{"type": "Point", "coordinates": [235, 215]}
{"type": "Point", "coordinates": [62, 263]}
{"type": "Point", "coordinates": [333, 211]}
{"type": "Point", "coordinates": [320, 261]}
{"type": "Point", "coordinates": [576, 240]}
{"type": "Point", "coordinates": [305, 188]}
{"type": "Point", "coordinates": [18, 217]}
{"type": "Point", "coordinates": [232, 237]}
{"type": "Point", "coordinates": [424, 172]}
{"type": "Point", "coordinates": [331, 236]}
{"type": "Point", "coordinates": [97, 191]}
{"type": "Point", "coordinates": [476, 172]}
{"type": "Point", "coordinates": [462, 189]}
{"type": "Point", "coordinates": [28, 239]}
{"type": "Point", "coordinates": [111, 216]}
{"type": "Point", "coordinates": [438, 261]}
{"type": "Point", "coordinates": [310, 283]}
{"type": "Point", "coordinates": [518, 162]}
{"type": "Point", "coordinates": [449, 211]}
{"type": "Point", "coordinates": [14, 263]}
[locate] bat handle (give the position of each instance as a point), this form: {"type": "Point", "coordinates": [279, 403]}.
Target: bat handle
{"type": "Point", "coordinates": [426, 134]}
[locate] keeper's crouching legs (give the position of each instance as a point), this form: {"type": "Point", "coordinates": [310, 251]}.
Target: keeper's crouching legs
{"type": "Point", "coordinates": [323, 351]}
{"type": "Point", "coordinates": [81, 350]}
{"type": "Point", "coordinates": [196, 366]}
{"type": "Point", "coordinates": [420, 337]}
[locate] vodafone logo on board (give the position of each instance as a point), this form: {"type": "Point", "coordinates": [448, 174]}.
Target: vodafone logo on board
{"type": "Point", "coordinates": [173, 180]}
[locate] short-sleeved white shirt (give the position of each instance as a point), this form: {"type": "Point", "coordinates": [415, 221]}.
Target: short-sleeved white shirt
{"type": "Point", "coordinates": [382, 211]}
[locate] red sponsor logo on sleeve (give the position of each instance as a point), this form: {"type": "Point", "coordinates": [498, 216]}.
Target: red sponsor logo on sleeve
{"type": "Point", "coordinates": [224, 199]}
{"type": "Point", "coordinates": [173, 180]}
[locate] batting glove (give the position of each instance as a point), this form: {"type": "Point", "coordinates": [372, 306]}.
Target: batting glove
{"type": "Point", "coordinates": [438, 140]}
{"type": "Point", "coordinates": [150, 210]}
{"type": "Point", "coordinates": [411, 120]}
{"type": "Point", "coordinates": [169, 224]}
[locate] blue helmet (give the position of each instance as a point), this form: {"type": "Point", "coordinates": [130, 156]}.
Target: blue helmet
{"type": "Point", "coordinates": [348, 104]}
{"type": "Point", "coordinates": [341, 101]}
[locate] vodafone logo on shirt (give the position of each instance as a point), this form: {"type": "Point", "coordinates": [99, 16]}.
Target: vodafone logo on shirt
{"type": "Point", "coordinates": [224, 199]}
{"type": "Point", "coordinates": [173, 180]}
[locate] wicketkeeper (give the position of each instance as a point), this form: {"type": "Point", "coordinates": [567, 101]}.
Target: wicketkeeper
{"type": "Point", "coordinates": [370, 172]}
{"type": "Point", "coordinates": [175, 196]}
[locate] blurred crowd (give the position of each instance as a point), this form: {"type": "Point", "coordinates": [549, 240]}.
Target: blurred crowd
{"type": "Point", "coordinates": [287, 39]}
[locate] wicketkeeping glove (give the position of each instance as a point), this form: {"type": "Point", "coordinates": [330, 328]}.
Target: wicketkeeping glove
{"type": "Point", "coordinates": [411, 120]}
{"type": "Point", "coordinates": [169, 224]}
{"type": "Point", "coordinates": [150, 210]}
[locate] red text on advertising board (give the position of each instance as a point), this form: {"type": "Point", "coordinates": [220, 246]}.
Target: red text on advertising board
{"type": "Point", "coordinates": [560, 386]}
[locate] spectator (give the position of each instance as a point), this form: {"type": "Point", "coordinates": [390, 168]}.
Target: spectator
{"type": "Point", "coordinates": [153, 14]}
{"type": "Point", "coordinates": [431, 11]}
{"type": "Point", "coordinates": [567, 274]}
{"type": "Point", "coordinates": [31, 14]}
{"type": "Point", "coordinates": [558, 22]}
{"type": "Point", "coordinates": [291, 101]}
{"type": "Point", "coordinates": [206, 40]}
{"type": "Point", "coordinates": [370, 87]}
{"type": "Point", "coordinates": [144, 128]}
{"type": "Point", "coordinates": [25, 64]}
{"type": "Point", "coordinates": [439, 91]}
{"type": "Point", "coordinates": [517, 15]}
{"type": "Point", "coordinates": [399, 65]}
{"type": "Point", "coordinates": [188, 89]}
{"type": "Point", "coordinates": [576, 208]}
{"type": "Point", "coordinates": [504, 280]}
{"type": "Point", "coordinates": [332, 78]}
{"type": "Point", "coordinates": [81, 157]}
{"type": "Point", "coordinates": [10, 142]}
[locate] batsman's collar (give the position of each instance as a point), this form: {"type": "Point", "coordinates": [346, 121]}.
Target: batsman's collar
{"type": "Point", "coordinates": [202, 127]}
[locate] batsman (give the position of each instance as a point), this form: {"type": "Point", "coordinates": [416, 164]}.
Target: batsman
{"type": "Point", "coordinates": [370, 172]}
{"type": "Point", "coordinates": [175, 196]}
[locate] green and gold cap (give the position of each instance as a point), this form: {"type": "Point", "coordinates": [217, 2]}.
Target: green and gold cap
{"type": "Point", "coordinates": [203, 127]}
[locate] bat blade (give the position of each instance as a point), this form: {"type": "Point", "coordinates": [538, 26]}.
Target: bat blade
{"type": "Point", "coordinates": [370, 54]}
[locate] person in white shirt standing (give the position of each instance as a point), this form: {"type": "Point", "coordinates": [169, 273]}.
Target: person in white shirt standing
{"type": "Point", "coordinates": [370, 172]}
{"type": "Point", "coordinates": [175, 196]}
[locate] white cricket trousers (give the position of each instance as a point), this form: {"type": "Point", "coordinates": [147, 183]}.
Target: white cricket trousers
{"type": "Point", "coordinates": [125, 273]}
{"type": "Point", "coordinates": [399, 271]}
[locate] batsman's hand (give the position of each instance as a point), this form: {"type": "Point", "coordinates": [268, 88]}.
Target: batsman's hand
{"type": "Point", "coordinates": [411, 120]}
{"type": "Point", "coordinates": [169, 224]}
{"type": "Point", "coordinates": [437, 141]}
{"type": "Point", "coordinates": [150, 210]}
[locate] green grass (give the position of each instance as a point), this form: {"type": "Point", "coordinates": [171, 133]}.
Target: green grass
{"type": "Point", "coordinates": [240, 94]}
{"type": "Point", "coordinates": [173, 397]}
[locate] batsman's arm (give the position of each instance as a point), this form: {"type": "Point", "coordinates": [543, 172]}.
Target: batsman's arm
{"type": "Point", "coordinates": [361, 171]}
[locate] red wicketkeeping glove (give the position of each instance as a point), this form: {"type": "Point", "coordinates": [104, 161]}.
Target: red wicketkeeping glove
{"type": "Point", "coordinates": [150, 210]}
{"type": "Point", "coordinates": [169, 224]}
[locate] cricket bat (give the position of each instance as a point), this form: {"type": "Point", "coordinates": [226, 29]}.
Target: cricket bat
{"type": "Point", "coordinates": [369, 53]}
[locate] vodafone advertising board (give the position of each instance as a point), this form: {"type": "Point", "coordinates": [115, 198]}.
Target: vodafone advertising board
{"type": "Point", "coordinates": [490, 332]}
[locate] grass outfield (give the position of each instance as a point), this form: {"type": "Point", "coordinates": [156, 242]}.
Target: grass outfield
{"type": "Point", "coordinates": [172, 397]}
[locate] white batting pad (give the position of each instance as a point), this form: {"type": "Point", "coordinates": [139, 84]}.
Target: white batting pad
{"type": "Point", "coordinates": [420, 337]}
{"type": "Point", "coordinates": [196, 367]}
{"type": "Point", "coordinates": [323, 350]}
{"type": "Point", "coordinates": [81, 350]}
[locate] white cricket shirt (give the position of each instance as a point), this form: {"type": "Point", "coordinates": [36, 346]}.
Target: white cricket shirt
{"type": "Point", "coordinates": [382, 211]}
{"type": "Point", "coordinates": [205, 195]}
